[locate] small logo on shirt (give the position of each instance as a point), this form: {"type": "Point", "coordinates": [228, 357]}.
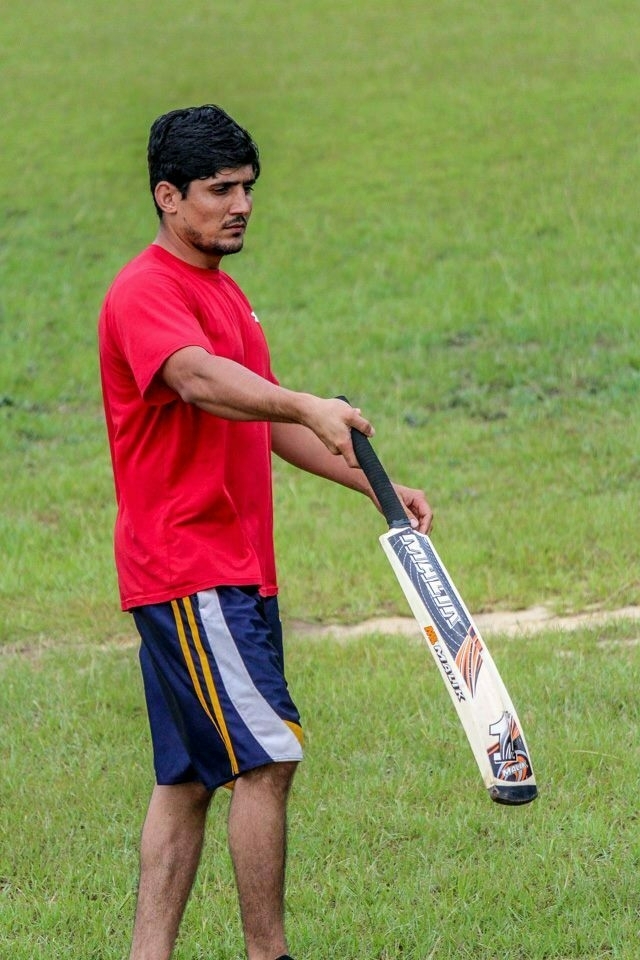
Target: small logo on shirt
{"type": "Point", "coordinates": [255, 316]}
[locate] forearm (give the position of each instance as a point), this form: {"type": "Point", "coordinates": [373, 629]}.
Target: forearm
{"type": "Point", "coordinates": [226, 389]}
{"type": "Point", "coordinates": [300, 447]}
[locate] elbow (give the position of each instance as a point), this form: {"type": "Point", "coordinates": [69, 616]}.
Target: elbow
{"type": "Point", "coordinates": [190, 390]}
{"type": "Point", "coordinates": [185, 373]}
{"type": "Point", "coordinates": [184, 382]}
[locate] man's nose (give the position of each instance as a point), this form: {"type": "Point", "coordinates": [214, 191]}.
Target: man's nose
{"type": "Point", "coordinates": [241, 202]}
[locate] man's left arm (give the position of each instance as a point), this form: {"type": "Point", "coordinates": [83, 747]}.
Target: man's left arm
{"type": "Point", "coordinates": [300, 446]}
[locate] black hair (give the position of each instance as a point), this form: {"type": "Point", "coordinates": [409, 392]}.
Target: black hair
{"type": "Point", "coordinates": [195, 143]}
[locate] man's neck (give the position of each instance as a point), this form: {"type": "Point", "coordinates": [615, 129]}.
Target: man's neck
{"type": "Point", "coordinates": [181, 250]}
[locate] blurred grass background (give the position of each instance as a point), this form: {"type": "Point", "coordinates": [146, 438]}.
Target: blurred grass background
{"type": "Point", "coordinates": [443, 231]}
{"type": "Point", "coordinates": [446, 232]}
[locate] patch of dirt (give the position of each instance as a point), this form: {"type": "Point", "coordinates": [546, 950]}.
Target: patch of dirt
{"type": "Point", "coordinates": [503, 623]}
{"type": "Point", "coordinates": [517, 623]}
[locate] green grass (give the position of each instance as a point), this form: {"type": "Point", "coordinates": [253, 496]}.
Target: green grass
{"type": "Point", "coordinates": [395, 848]}
{"type": "Point", "coordinates": [445, 232]}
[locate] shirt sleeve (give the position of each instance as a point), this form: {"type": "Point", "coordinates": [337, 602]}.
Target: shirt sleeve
{"type": "Point", "coordinates": [153, 319]}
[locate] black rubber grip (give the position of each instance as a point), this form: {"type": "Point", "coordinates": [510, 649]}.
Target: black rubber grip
{"type": "Point", "coordinates": [390, 503]}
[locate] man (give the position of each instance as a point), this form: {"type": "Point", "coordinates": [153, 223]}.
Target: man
{"type": "Point", "coordinates": [193, 413]}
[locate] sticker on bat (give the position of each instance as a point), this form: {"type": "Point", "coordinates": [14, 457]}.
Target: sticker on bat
{"type": "Point", "coordinates": [508, 757]}
{"type": "Point", "coordinates": [469, 659]}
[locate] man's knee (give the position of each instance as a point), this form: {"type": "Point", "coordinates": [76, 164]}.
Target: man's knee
{"type": "Point", "coordinates": [272, 776]}
{"type": "Point", "coordinates": [189, 797]}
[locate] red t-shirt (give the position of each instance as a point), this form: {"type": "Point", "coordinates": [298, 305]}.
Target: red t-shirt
{"type": "Point", "coordinates": [193, 490]}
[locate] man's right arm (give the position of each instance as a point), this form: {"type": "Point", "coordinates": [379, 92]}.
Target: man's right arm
{"type": "Point", "coordinates": [226, 389]}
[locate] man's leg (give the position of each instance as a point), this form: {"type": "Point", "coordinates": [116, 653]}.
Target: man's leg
{"type": "Point", "coordinates": [257, 841]}
{"type": "Point", "coordinates": [169, 855]}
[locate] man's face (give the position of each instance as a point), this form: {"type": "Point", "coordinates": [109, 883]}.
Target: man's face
{"type": "Point", "coordinates": [213, 216]}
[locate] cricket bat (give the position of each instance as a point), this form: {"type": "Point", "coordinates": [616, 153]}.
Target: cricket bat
{"type": "Point", "coordinates": [470, 675]}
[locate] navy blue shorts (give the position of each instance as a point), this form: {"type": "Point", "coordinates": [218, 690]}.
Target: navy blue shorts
{"type": "Point", "coordinates": [217, 698]}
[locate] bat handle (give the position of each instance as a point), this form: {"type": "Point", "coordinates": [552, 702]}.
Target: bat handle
{"type": "Point", "coordinates": [390, 503]}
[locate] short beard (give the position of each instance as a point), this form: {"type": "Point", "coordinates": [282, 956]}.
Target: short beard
{"type": "Point", "coordinates": [218, 249]}
{"type": "Point", "coordinates": [214, 248]}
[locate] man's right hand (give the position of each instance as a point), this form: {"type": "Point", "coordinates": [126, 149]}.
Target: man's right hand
{"type": "Point", "coordinates": [332, 422]}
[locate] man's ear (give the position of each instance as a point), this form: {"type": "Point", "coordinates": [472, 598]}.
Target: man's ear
{"type": "Point", "coordinates": [167, 196]}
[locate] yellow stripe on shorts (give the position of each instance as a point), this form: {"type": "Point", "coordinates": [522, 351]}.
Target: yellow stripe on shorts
{"type": "Point", "coordinates": [217, 718]}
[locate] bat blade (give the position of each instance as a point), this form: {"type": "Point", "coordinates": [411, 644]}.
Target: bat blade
{"type": "Point", "coordinates": [479, 695]}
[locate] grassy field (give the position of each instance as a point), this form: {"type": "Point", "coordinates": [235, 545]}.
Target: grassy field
{"type": "Point", "coordinates": [442, 233]}
{"type": "Point", "coordinates": [445, 232]}
{"type": "Point", "coordinates": [395, 849]}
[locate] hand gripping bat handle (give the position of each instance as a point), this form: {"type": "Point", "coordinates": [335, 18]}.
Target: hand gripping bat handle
{"type": "Point", "coordinates": [390, 503]}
